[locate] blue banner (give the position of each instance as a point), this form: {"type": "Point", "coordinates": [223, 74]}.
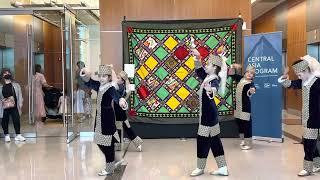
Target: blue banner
{"type": "Point", "coordinates": [264, 52]}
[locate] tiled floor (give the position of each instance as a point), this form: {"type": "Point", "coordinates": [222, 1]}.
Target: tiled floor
{"type": "Point", "coordinates": [292, 130]}
{"type": "Point", "coordinates": [162, 159]}
{"type": "Point", "coordinates": [52, 127]}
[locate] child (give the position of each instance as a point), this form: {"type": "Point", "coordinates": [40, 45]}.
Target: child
{"type": "Point", "coordinates": [245, 89]}
{"type": "Point", "coordinates": [121, 115]}
{"type": "Point", "coordinates": [214, 75]}
{"type": "Point", "coordinates": [63, 105]}
{"type": "Point", "coordinates": [308, 71]}
{"type": "Point", "coordinates": [105, 132]}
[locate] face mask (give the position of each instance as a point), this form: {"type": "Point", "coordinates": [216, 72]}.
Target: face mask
{"type": "Point", "coordinates": [7, 76]}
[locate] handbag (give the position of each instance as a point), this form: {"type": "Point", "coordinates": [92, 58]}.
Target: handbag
{"type": "Point", "coordinates": [8, 102]}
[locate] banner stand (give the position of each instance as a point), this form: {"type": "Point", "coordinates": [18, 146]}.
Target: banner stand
{"type": "Point", "coordinates": [264, 52]}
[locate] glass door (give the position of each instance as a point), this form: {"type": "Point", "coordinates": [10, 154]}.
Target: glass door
{"type": "Point", "coordinates": [16, 47]}
{"type": "Point", "coordinates": [69, 29]}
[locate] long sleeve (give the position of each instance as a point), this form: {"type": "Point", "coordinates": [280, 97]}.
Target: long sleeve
{"type": "Point", "coordinates": [114, 94]}
{"type": "Point", "coordinates": [215, 86]}
{"type": "Point", "coordinates": [43, 81]}
{"type": "Point", "coordinates": [250, 86]}
{"type": "Point", "coordinates": [294, 84]}
{"type": "Point", "coordinates": [92, 84]}
{"type": "Point", "coordinates": [236, 77]}
{"type": "Point", "coordinates": [123, 92]}
{"type": "Point", "coordinates": [201, 73]}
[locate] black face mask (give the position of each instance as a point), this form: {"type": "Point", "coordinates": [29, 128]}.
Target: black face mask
{"type": "Point", "coordinates": [7, 76]}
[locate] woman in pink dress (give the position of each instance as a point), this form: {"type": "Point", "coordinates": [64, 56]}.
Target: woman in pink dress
{"type": "Point", "coordinates": [39, 81]}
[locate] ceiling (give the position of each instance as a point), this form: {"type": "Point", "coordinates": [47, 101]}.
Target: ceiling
{"type": "Point", "coordinates": [86, 17]}
{"type": "Point", "coordinates": [90, 15]}
{"type": "Point", "coordinates": [259, 7]}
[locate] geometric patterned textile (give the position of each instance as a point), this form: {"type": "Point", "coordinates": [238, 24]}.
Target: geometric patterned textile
{"type": "Point", "coordinates": [165, 70]}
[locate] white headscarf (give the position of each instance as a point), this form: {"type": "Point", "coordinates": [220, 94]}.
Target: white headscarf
{"type": "Point", "coordinates": [314, 65]}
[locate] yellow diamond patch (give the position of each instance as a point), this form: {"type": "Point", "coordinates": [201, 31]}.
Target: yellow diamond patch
{"type": "Point", "coordinates": [143, 73]}
{"type": "Point", "coordinates": [216, 100]}
{"type": "Point", "coordinates": [181, 73]}
{"type": "Point", "coordinates": [183, 93]}
{"type": "Point", "coordinates": [173, 103]}
{"type": "Point", "coordinates": [151, 63]}
{"type": "Point", "coordinates": [190, 63]}
{"type": "Point", "coordinates": [171, 43]}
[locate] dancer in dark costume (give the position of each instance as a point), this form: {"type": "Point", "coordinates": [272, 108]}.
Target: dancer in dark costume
{"type": "Point", "coordinates": [308, 71]}
{"type": "Point", "coordinates": [245, 89]}
{"type": "Point", "coordinates": [121, 115]}
{"type": "Point", "coordinates": [214, 75]}
{"type": "Point", "coordinates": [105, 132]}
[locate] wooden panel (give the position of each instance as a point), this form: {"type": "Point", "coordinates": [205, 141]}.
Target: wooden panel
{"type": "Point", "coordinates": [273, 20]}
{"type": "Point", "coordinates": [313, 20]}
{"type": "Point", "coordinates": [148, 9]}
{"type": "Point", "coordinates": [52, 54]}
{"type": "Point", "coordinates": [295, 13]}
{"type": "Point", "coordinates": [113, 52]}
{"type": "Point", "coordinates": [21, 54]}
{"type": "Point", "coordinates": [296, 46]}
{"type": "Point", "coordinates": [265, 23]}
{"type": "Point", "coordinates": [112, 13]}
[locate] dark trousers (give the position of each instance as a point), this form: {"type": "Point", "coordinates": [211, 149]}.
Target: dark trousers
{"type": "Point", "coordinates": [310, 149]}
{"type": "Point", "coordinates": [108, 152]}
{"type": "Point", "coordinates": [204, 144]}
{"type": "Point", "coordinates": [129, 131]}
{"type": "Point", "coordinates": [245, 127]}
{"type": "Point", "coordinates": [14, 114]}
{"type": "Point", "coordinates": [312, 156]}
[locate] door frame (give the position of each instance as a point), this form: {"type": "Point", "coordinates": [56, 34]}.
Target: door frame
{"type": "Point", "coordinates": [29, 39]}
{"type": "Point", "coordinates": [30, 50]}
{"type": "Point", "coordinates": [72, 134]}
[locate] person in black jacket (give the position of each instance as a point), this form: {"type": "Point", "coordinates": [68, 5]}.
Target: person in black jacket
{"type": "Point", "coordinates": [308, 71]}
{"type": "Point", "coordinates": [105, 132]}
{"type": "Point", "coordinates": [121, 115]}
{"type": "Point", "coordinates": [245, 89]}
{"type": "Point", "coordinates": [213, 74]}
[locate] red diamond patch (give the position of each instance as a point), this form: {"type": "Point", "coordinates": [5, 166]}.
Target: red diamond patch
{"type": "Point", "coordinates": [181, 53]}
